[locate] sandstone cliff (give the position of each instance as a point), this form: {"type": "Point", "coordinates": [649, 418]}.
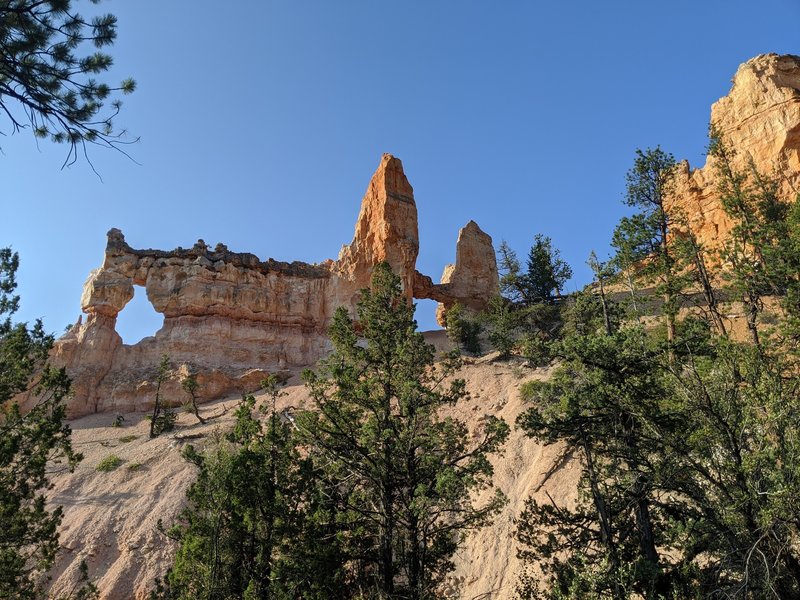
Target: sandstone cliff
{"type": "Point", "coordinates": [760, 119]}
{"type": "Point", "coordinates": [231, 317]}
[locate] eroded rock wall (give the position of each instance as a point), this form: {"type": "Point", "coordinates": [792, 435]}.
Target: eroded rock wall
{"type": "Point", "coordinates": [231, 318]}
{"type": "Point", "coordinates": [760, 120]}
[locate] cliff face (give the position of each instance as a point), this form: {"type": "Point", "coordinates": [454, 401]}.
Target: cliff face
{"type": "Point", "coordinates": [760, 119]}
{"type": "Point", "coordinates": [231, 317]}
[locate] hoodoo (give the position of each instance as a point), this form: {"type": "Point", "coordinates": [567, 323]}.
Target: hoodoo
{"type": "Point", "coordinates": [232, 317]}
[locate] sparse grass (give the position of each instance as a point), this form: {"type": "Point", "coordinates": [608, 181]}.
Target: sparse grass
{"type": "Point", "coordinates": [128, 438]}
{"type": "Point", "coordinates": [134, 466]}
{"type": "Point", "coordinates": [109, 463]}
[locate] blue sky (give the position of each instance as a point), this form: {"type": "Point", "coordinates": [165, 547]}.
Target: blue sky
{"type": "Point", "coordinates": [262, 122]}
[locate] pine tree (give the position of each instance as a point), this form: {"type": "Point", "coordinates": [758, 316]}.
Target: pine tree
{"type": "Point", "coordinates": [644, 241]}
{"type": "Point", "coordinates": [407, 471]}
{"type": "Point", "coordinates": [48, 85]}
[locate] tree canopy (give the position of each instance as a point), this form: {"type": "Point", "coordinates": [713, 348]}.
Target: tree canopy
{"type": "Point", "coordinates": [50, 61]}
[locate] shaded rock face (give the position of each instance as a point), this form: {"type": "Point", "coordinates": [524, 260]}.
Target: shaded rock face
{"type": "Point", "coordinates": [231, 318]}
{"type": "Point", "coordinates": [760, 119]}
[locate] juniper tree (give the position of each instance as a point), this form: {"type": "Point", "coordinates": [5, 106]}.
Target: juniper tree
{"type": "Point", "coordinates": [162, 419]}
{"type": "Point", "coordinates": [604, 403]}
{"type": "Point", "coordinates": [760, 249]}
{"type": "Point", "coordinates": [190, 386]}
{"type": "Point", "coordinates": [48, 80]}
{"type": "Point", "coordinates": [407, 470]}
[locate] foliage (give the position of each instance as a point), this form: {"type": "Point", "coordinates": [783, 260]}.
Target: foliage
{"type": "Point", "coordinates": [48, 84]}
{"type": "Point", "coordinates": [463, 330]}
{"type": "Point", "coordinates": [258, 523]}
{"type": "Point", "coordinates": [162, 419]}
{"type": "Point", "coordinates": [644, 240]}
{"type": "Point", "coordinates": [599, 404]}
{"type": "Point", "coordinates": [407, 471]}
{"type": "Point", "coordinates": [502, 322]}
{"type": "Point", "coordinates": [109, 463]}
{"type": "Point", "coordinates": [29, 443]}
{"type": "Point", "coordinates": [689, 449]}
{"type": "Point", "coordinates": [761, 248]}
{"type": "Point", "coordinates": [544, 278]}
{"type": "Point", "coordinates": [190, 386]}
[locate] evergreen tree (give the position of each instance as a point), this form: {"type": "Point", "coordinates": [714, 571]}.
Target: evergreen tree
{"type": "Point", "coordinates": [547, 272]}
{"type": "Point", "coordinates": [258, 523]}
{"type": "Point", "coordinates": [463, 330]}
{"type": "Point", "coordinates": [47, 84]}
{"type": "Point", "coordinates": [689, 450]}
{"type": "Point", "coordinates": [644, 241]}
{"type": "Point", "coordinates": [162, 419]}
{"type": "Point", "coordinates": [544, 278]}
{"type": "Point", "coordinates": [760, 248]}
{"type": "Point", "coordinates": [407, 471]}
{"type": "Point", "coordinates": [604, 403]}
{"type": "Point", "coordinates": [29, 444]}
{"type": "Point", "coordinates": [190, 386]}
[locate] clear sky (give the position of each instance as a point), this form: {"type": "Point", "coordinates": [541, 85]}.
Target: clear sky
{"type": "Point", "coordinates": [261, 123]}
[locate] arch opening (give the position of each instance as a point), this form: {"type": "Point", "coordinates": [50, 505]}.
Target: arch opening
{"type": "Point", "coordinates": [426, 314]}
{"type": "Point", "coordinates": [138, 319]}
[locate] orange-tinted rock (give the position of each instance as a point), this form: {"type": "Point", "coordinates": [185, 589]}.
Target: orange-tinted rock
{"type": "Point", "coordinates": [386, 230]}
{"type": "Point", "coordinates": [234, 317]}
{"type": "Point", "coordinates": [760, 120]}
{"type": "Point", "coordinates": [471, 281]}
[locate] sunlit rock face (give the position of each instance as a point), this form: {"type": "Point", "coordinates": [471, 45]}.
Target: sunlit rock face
{"type": "Point", "coordinates": [471, 281]}
{"type": "Point", "coordinates": [232, 318]}
{"type": "Point", "coordinates": [760, 120]}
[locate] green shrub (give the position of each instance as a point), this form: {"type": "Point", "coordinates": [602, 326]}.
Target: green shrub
{"type": "Point", "coordinates": [128, 438]}
{"type": "Point", "coordinates": [502, 323]}
{"type": "Point", "coordinates": [462, 330]}
{"type": "Point", "coordinates": [109, 463]}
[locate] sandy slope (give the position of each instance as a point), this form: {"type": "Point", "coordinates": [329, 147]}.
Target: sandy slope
{"type": "Point", "coordinates": [110, 518]}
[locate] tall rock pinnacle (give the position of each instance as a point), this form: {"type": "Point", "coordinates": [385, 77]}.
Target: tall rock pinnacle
{"type": "Point", "coordinates": [386, 230]}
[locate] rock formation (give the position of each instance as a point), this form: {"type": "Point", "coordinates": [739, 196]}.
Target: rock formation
{"type": "Point", "coordinates": [760, 119]}
{"type": "Point", "coordinates": [470, 281]}
{"type": "Point", "coordinates": [231, 317]}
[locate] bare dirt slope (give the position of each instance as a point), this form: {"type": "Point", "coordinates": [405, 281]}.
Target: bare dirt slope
{"type": "Point", "coordinates": [110, 518]}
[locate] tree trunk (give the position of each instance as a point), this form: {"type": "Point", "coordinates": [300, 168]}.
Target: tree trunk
{"type": "Point", "coordinates": [708, 290]}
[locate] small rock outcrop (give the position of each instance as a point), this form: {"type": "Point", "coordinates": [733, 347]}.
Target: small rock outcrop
{"type": "Point", "coordinates": [231, 317]}
{"type": "Point", "coordinates": [760, 119]}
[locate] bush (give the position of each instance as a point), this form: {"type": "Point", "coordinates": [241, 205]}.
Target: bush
{"type": "Point", "coordinates": [109, 463]}
{"type": "Point", "coordinates": [503, 322]}
{"type": "Point", "coordinates": [462, 330]}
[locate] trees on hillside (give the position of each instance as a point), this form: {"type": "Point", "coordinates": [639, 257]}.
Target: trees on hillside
{"type": "Point", "coordinates": [544, 277]}
{"type": "Point", "coordinates": [407, 470]}
{"type": "Point", "coordinates": [644, 241]}
{"type": "Point", "coordinates": [30, 444]}
{"type": "Point", "coordinates": [47, 83]}
{"type": "Point", "coordinates": [688, 442]}
{"type": "Point", "coordinates": [258, 523]}
{"type": "Point", "coordinates": [368, 495]}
